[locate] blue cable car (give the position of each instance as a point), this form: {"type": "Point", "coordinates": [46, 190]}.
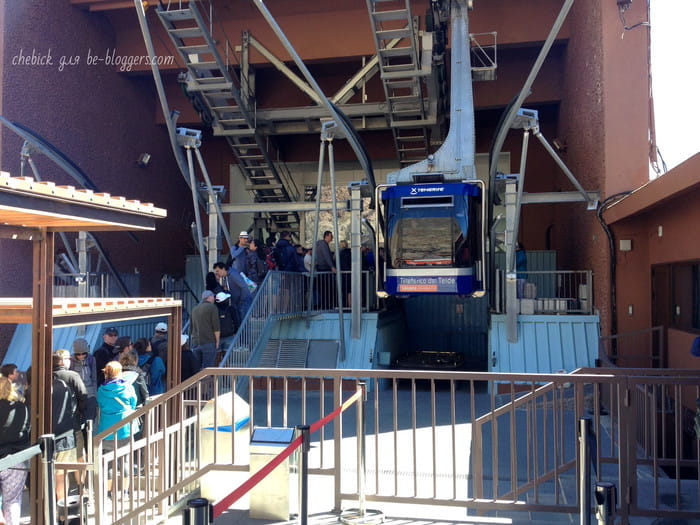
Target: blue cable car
{"type": "Point", "coordinates": [433, 238]}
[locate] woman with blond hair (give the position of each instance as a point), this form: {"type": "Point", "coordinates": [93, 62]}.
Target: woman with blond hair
{"type": "Point", "coordinates": [14, 436]}
{"type": "Point", "coordinates": [116, 399]}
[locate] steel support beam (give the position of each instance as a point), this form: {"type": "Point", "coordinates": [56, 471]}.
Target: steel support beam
{"type": "Point", "coordinates": [559, 197]}
{"type": "Point", "coordinates": [274, 207]}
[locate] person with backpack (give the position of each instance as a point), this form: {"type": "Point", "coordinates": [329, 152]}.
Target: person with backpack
{"type": "Point", "coordinates": [152, 366]}
{"type": "Point", "coordinates": [68, 402]}
{"type": "Point", "coordinates": [286, 254]}
{"type": "Point", "coordinates": [159, 342]}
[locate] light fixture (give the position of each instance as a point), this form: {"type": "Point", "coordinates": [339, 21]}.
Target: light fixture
{"type": "Point", "coordinates": [143, 160]}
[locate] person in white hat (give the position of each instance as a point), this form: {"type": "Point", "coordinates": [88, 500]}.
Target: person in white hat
{"type": "Point", "coordinates": [159, 342]}
{"type": "Point", "coordinates": [239, 253]}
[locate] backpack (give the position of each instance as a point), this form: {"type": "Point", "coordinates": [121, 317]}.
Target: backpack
{"type": "Point", "coordinates": [270, 260]}
{"type": "Point", "coordinates": [262, 268]}
{"type": "Point", "coordinates": [284, 257]}
{"type": "Point", "coordinates": [280, 259]}
{"type": "Point", "coordinates": [146, 367]}
{"type": "Point", "coordinates": [63, 410]}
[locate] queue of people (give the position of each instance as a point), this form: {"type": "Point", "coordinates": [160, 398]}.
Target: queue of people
{"type": "Point", "coordinates": [120, 375]}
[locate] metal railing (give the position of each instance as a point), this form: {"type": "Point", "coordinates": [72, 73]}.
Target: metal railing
{"type": "Point", "coordinates": [639, 349]}
{"type": "Point", "coordinates": [283, 295]}
{"type": "Point", "coordinates": [81, 285]}
{"type": "Point", "coordinates": [550, 292]}
{"type": "Point", "coordinates": [488, 442]}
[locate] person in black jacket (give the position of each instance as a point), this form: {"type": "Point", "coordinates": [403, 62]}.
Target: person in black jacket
{"type": "Point", "coordinates": [106, 353]}
{"type": "Point", "coordinates": [14, 437]}
{"type": "Point", "coordinates": [190, 365]}
{"type": "Point", "coordinates": [69, 401]}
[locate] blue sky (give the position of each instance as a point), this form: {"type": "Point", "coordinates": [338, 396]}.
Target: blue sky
{"type": "Point", "coordinates": [675, 45]}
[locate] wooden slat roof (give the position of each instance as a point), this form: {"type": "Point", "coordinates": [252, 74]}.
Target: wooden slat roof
{"type": "Point", "coordinates": [28, 204]}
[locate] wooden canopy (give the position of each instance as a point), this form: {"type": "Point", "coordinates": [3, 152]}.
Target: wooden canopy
{"type": "Point", "coordinates": [35, 211]}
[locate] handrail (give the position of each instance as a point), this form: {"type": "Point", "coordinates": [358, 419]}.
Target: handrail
{"type": "Point", "coordinates": [652, 338]}
{"type": "Point", "coordinates": [174, 428]}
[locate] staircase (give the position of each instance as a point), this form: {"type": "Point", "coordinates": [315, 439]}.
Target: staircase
{"type": "Point", "coordinates": [400, 70]}
{"type": "Point", "coordinates": [222, 102]}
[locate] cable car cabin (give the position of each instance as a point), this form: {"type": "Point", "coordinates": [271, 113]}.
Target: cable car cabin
{"type": "Point", "coordinates": [433, 238]}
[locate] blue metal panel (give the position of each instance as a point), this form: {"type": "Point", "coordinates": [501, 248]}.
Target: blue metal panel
{"type": "Point", "coordinates": [546, 343]}
{"type": "Point", "coordinates": [19, 350]}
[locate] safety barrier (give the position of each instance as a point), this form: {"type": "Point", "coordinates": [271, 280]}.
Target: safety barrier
{"type": "Point", "coordinates": [44, 448]}
{"type": "Point", "coordinates": [481, 441]}
{"type": "Point", "coordinates": [224, 503]}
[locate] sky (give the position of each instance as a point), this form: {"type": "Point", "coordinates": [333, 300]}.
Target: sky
{"type": "Point", "coordinates": [675, 70]}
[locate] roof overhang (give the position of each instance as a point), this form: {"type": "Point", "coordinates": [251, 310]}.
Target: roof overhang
{"type": "Point", "coordinates": [27, 206]}
{"type": "Point", "coordinates": [675, 183]}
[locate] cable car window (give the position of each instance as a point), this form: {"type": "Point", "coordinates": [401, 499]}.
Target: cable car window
{"type": "Point", "coordinates": [423, 241]}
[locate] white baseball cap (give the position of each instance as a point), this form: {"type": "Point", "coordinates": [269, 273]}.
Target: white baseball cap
{"type": "Point", "coordinates": [222, 296]}
{"type": "Point", "coordinates": [161, 327]}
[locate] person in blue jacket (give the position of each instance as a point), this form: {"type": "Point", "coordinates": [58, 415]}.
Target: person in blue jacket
{"type": "Point", "coordinates": [152, 365]}
{"type": "Point", "coordinates": [116, 399]}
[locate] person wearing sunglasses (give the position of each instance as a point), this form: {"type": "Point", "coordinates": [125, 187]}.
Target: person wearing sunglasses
{"type": "Point", "coordinates": [84, 363]}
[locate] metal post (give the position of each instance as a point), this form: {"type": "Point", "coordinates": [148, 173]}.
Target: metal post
{"type": "Point", "coordinates": [305, 432]}
{"type": "Point", "coordinates": [605, 500]}
{"type": "Point", "coordinates": [48, 447]}
{"type": "Point", "coordinates": [361, 475]}
{"type": "Point", "coordinates": [361, 515]}
{"type": "Point", "coordinates": [198, 512]}
{"type": "Point", "coordinates": [356, 266]}
{"type": "Point", "coordinates": [336, 242]}
{"type": "Point", "coordinates": [584, 429]}
{"type": "Point", "coordinates": [197, 217]}
{"type": "Point", "coordinates": [312, 276]}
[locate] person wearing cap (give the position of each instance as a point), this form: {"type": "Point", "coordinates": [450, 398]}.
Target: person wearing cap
{"type": "Point", "coordinates": [106, 353]}
{"type": "Point", "coordinates": [84, 364]}
{"type": "Point", "coordinates": [159, 341]}
{"type": "Point", "coordinates": [239, 253]}
{"type": "Point", "coordinates": [205, 330]}
{"type": "Point", "coordinates": [189, 363]}
{"type": "Point", "coordinates": [123, 345]}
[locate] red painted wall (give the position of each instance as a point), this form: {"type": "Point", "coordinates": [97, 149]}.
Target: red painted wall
{"type": "Point", "coordinates": [669, 201]}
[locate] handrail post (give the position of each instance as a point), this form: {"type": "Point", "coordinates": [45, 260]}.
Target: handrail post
{"type": "Point", "coordinates": [48, 447]}
{"type": "Point", "coordinates": [584, 480]}
{"type": "Point", "coordinates": [361, 430]}
{"type": "Point", "coordinates": [361, 516]}
{"type": "Point", "coordinates": [305, 432]}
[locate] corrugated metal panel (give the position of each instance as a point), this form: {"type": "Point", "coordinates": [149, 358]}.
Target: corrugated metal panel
{"type": "Point", "coordinates": [537, 260]}
{"type": "Point", "coordinates": [546, 343]}
{"type": "Point", "coordinates": [19, 351]}
{"type": "Point", "coordinates": [358, 352]}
